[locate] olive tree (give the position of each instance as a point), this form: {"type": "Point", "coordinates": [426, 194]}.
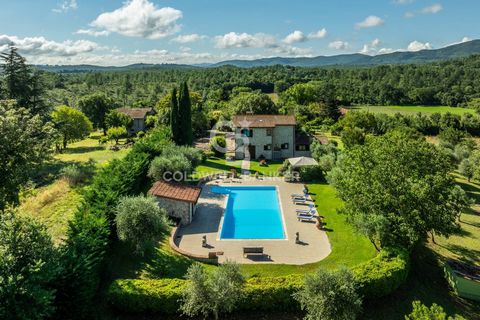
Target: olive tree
{"type": "Point", "coordinates": [213, 293]}
{"type": "Point", "coordinates": [330, 296]}
{"type": "Point", "coordinates": [140, 222]}
{"type": "Point", "coordinates": [435, 312]}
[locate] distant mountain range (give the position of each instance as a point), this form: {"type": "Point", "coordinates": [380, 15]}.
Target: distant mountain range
{"type": "Point", "coordinates": [451, 52]}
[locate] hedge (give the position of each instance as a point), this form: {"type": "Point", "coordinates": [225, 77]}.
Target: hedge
{"type": "Point", "coordinates": [163, 295]}
{"type": "Point", "coordinates": [383, 274]}
{"type": "Point", "coordinates": [377, 277]}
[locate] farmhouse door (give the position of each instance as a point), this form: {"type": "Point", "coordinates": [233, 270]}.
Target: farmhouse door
{"type": "Point", "coordinates": [251, 150]}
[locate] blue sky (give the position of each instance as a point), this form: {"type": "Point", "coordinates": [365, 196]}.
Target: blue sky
{"type": "Point", "coordinates": [107, 32]}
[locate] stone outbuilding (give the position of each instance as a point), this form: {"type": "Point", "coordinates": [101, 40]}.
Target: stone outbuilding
{"type": "Point", "coordinates": [139, 117]}
{"type": "Point", "coordinates": [179, 200]}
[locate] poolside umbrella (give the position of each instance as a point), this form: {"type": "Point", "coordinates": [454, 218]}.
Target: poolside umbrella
{"type": "Point", "coordinates": [302, 161]}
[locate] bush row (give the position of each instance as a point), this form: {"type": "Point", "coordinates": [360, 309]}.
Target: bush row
{"type": "Point", "coordinates": [383, 274]}
{"type": "Point", "coordinates": [376, 278]}
{"type": "Point", "coordinates": [163, 295]}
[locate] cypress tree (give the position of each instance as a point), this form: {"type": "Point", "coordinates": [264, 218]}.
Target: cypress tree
{"type": "Point", "coordinates": [174, 116]}
{"type": "Point", "coordinates": [185, 115]}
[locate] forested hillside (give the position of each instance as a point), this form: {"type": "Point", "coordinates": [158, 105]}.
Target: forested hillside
{"type": "Point", "coordinates": [451, 83]}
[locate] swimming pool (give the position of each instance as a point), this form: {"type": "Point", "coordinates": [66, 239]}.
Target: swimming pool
{"type": "Point", "coordinates": [252, 212]}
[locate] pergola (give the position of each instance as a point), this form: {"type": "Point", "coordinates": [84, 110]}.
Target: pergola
{"type": "Point", "coordinates": [302, 162]}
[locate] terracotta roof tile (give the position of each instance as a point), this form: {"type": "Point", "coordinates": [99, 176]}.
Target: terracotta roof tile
{"type": "Point", "coordinates": [136, 113]}
{"type": "Point", "coordinates": [263, 120]}
{"type": "Point", "coordinates": [175, 191]}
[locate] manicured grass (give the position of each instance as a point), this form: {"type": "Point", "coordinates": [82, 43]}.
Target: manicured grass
{"type": "Point", "coordinates": [413, 109]}
{"type": "Point", "coordinates": [330, 137]}
{"type": "Point", "coordinates": [216, 165]}
{"type": "Point", "coordinates": [53, 205]}
{"type": "Point", "coordinates": [89, 148]}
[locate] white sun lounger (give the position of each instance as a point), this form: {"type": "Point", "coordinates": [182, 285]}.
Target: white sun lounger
{"type": "Point", "coordinates": [309, 211]}
{"type": "Point", "coordinates": [305, 217]}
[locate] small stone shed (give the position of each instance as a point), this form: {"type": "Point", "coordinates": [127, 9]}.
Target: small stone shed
{"type": "Point", "coordinates": [178, 199]}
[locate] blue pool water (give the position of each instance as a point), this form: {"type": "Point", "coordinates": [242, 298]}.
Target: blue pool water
{"type": "Point", "coordinates": [251, 213]}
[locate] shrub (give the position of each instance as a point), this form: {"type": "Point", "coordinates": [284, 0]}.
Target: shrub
{"type": "Point", "coordinates": [218, 145]}
{"type": "Point", "coordinates": [194, 155]}
{"type": "Point", "coordinates": [435, 312]}
{"type": "Point", "coordinates": [330, 295]}
{"type": "Point", "coordinates": [75, 174]}
{"type": "Point", "coordinates": [27, 268]}
{"type": "Point", "coordinates": [383, 274]}
{"type": "Point", "coordinates": [103, 140]}
{"type": "Point", "coordinates": [147, 296]}
{"type": "Point", "coordinates": [140, 221]}
{"type": "Point", "coordinates": [163, 296]}
{"type": "Point", "coordinates": [311, 173]}
{"type": "Point", "coordinates": [285, 167]}
{"type": "Point", "coordinates": [208, 154]}
{"type": "Point", "coordinates": [140, 134]}
{"type": "Point", "coordinates": [165, 168]}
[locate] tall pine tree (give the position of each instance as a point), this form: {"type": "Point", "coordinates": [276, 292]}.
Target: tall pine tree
{"type": "Point", "coordinates": [21, 84]}
{"type": "Point", "coordinates": [174, 117]}
{"type": "Point", "coordinates": [185, 116]}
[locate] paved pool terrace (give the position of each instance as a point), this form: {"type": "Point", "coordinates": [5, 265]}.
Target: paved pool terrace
{"type": "Point", "coordinates": [207, 222]}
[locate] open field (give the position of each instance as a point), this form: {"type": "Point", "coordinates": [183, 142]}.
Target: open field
{"type": "Point", "coordinates": [412, 109]}
{"type": "Point", "coordinates": [89, 148]}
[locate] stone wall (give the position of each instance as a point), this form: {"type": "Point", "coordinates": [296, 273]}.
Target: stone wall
{"type": "Point", "coordinates": [281, 135]}
{"type": "Point", "coordinates": [177, 209]}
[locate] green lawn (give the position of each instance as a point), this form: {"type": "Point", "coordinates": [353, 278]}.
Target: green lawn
{"type": "Point", "coordinates": [89, 148]}
{"type": "Point", "coordinates": [216, 165]}
{"type": "Point", "coordinates": [413, 109]}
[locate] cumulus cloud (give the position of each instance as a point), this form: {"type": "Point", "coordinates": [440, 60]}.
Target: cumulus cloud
{"type": "Point", "coordinates": [370, 22]}
{"type": "Point", "coordinates": [320, 34]}
{"type": "Point", "coordinates": [417, 46]}
{"type": "Point", "coordinates": [189, 38]}
{"type": "Point", "coordinates": [371, 48]}
{"type": "Point", "coordinates": [339, 45]}
{"type": "Point", "coordinates": [245, 40]}
{"type": "Point", "coordinates": [93, 33]}
{"type": "Point", "coordinates": [40, 46]}
{"type": "Point", "coordinates": [295, 36]}
{"type": "Point", "coordinates": [434, 8]}
{"type": "Point", "coordinates": [140, 18]}
{"type": "Point", "coordinates": [65, 6]}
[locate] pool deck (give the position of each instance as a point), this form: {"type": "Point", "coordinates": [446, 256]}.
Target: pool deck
{"type": "Point", "coordinates": [314, 245]}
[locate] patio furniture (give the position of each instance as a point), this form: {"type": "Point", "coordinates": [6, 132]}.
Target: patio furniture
{"type": "Point", "coordinates": [253, 251]}
{"type": "Point", "coordinates": [309, 211]}
{"type": "Point", "coordinates": [302, 200]}
{"type": "Point", "coordinates": [306, 217]}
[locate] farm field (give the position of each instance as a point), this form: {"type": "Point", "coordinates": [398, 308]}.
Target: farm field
{"type": "Point", "coordinates": [413, 109]}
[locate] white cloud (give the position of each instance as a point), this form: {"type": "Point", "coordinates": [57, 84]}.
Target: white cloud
{"type": "Point", "coordinates": [371, 48]}
{"type": "Point", "coordinates": [402, 2]}
{"type": "Point", "coordinates": [409, 14]}
{"type": "Point", "coordinates": [417, 46]}
{"type": "Point", "coordinates": [245, 40]}
{"type": "Point", "coordinates": [93, 33]}
{"type": "Point", "coordinates": [369, 22]}
{"type": "Point", "coordinates": [293, 51]}
{"type": "Point", "coordinates": [434, 8]}
{"type": "Point", "coordinates": [295, 36]}
{"type": "Point", "coordinates": [339, 45]}
{"type": "Point", "coordinates": [39, 46]}
{"type": "Point", "coordinates": [466, 39]}
{"type": "Point", "coordinates": [65, 6]}
{"type": "Point", "coordinates": [189, 38]}
{"type": "Point", "coordinates": [322, 33]}
{"type": "Point", "coordinates": [140, 18]}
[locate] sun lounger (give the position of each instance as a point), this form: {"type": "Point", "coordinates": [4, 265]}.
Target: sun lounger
{"type": "Point", "coordinates": [306, 217]}
{"type": "Point", "coordinates": [309, 211]}
{"type": "Point", "coordinates": [253, 251]}
{"type": "Point", "coordinates": [301, 200]}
